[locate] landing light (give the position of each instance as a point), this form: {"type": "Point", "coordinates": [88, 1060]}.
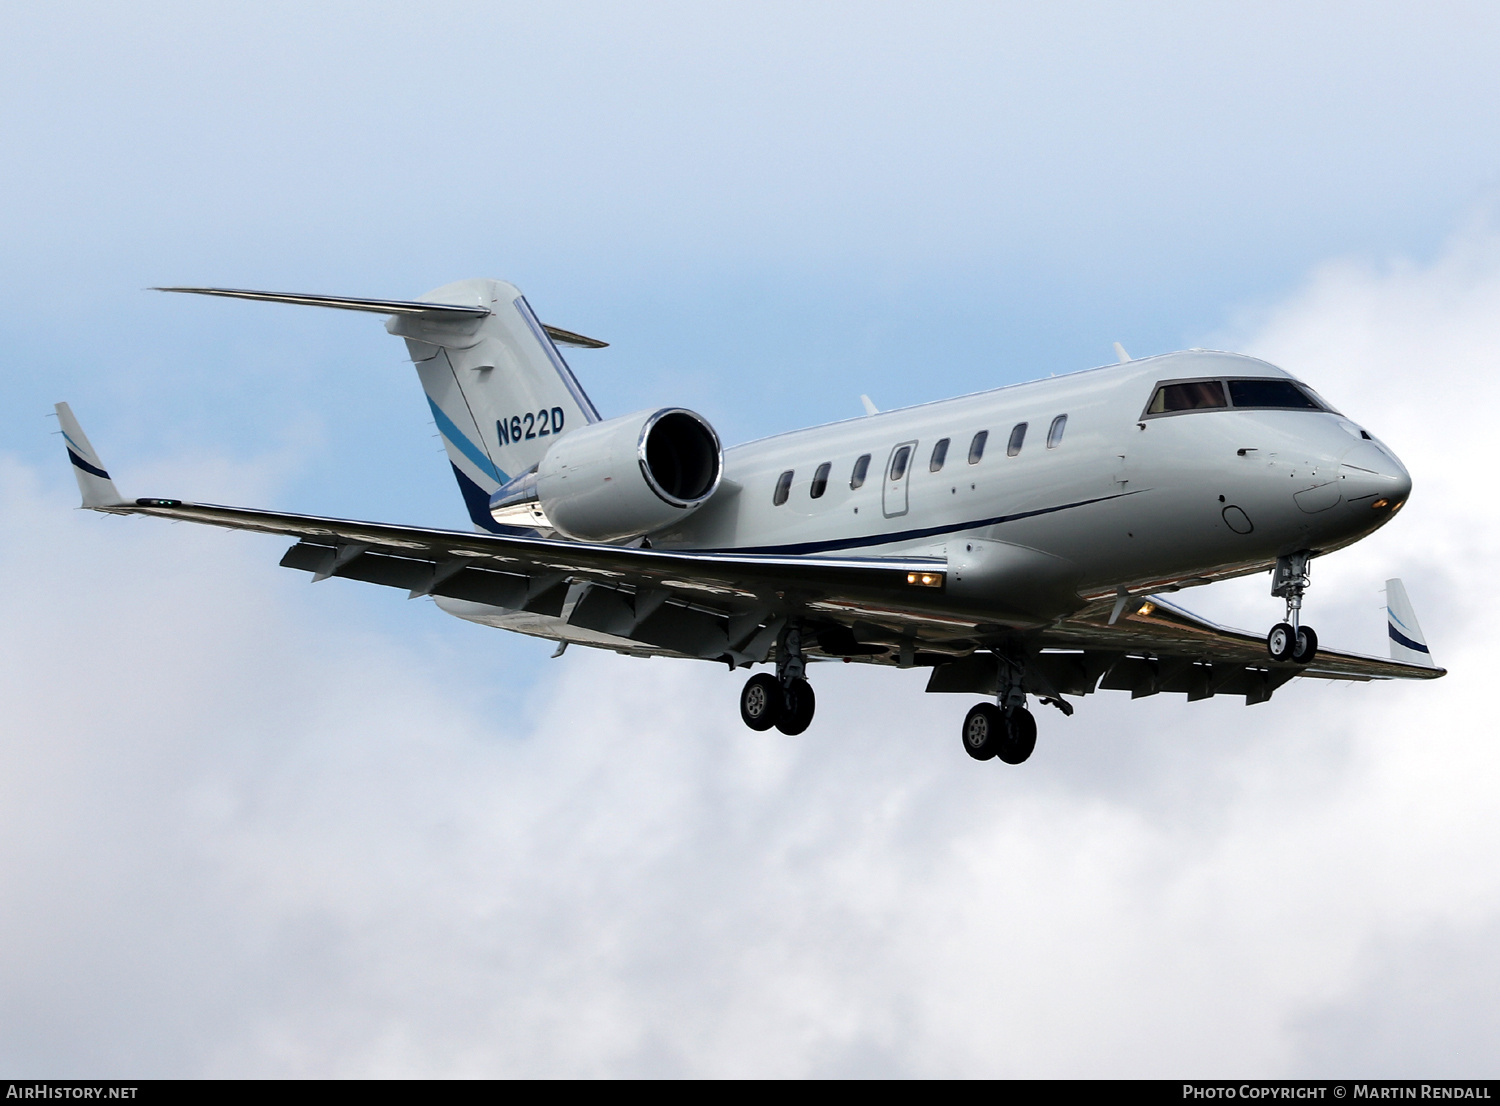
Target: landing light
{"type": "Point", "coordinates": [1146, 609]}
{"type": "Point", "coordinates": [925, 579]}
{"type": "Point", "coordinates": [1379, 503]}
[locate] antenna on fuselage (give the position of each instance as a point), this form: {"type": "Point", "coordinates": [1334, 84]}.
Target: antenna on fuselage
{"type": "Point", "coordinates": [870, 408]}
{"type": "Point", "coordinates": [1121, 354]}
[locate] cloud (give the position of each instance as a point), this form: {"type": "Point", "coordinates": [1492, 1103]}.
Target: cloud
{"type": "Point", "coordinates": [250, 829]}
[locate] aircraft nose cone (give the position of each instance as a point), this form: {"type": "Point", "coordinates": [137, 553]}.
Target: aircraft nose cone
{"type": "Point", "coordinates": [1370, 478]}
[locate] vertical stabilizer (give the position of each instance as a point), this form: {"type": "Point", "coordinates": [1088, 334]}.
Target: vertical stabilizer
{"type": "Point", "coordinates": [93, 481]}
{"type": "Point", "coordinates": [498, 388]}
{"type": "Point", "coordinates": [1407, 643]}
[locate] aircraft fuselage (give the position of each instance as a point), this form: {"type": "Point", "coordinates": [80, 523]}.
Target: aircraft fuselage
{"type": "Point", "coordinates": [1113, 498]}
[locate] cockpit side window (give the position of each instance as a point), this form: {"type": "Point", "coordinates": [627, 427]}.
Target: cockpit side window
{"type": "Point", "coordinates": [1187, 395]}
{"type": "Point", "coordinates": [1272, 393]}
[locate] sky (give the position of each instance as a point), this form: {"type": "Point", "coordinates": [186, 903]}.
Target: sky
{"type": "Point", "coordinates": [250, 827]}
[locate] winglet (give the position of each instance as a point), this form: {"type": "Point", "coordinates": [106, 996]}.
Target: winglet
{"type": "Point", "coordinates": [1407, 643]}
{"type": "Point", "coordinates": [95, 484]}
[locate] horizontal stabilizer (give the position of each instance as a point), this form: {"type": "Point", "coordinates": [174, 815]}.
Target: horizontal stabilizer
{"type": "Point", "coordinates": [1407, 642]}
{"type": "Point", "coordinates": [383, 307]}
{"type": "Point", "coordinates": [93, 481]}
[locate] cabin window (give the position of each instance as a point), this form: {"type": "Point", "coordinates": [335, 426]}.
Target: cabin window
{"type": "Point", "coordinates": [1017, 437]}
{"type": "Point", "coordinates": [1055, 431]}
{"type": "Point", "coordinates": [861, 470]}
{"type": "Point", "coordinates": [1190, 395]}
{"type": "Point", "coordinates": [976, 447]}
{"type": "Point", "coordinates": [900, 461]}
{"type": "Point", "coordinates": [783, 488]}
{"type": "Point", "coordinates": [820, 480]}
{"type": "Point", "coordinates": [939, 455]}
{"type": "Point", "coordinates": [1271, 393]}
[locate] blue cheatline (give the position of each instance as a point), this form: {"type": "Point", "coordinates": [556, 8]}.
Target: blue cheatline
{"type": "Point", "coordinates": [909, 535]}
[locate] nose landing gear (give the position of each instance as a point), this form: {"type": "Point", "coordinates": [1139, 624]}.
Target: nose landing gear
{"type": "Point", "coordinates": [1290, 640]}
{"type": "Point", "coordinates": [785, 700]}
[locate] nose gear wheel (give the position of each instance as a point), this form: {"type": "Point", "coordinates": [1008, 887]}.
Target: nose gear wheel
{"type": "Point", "coordinates": [1290, 640]}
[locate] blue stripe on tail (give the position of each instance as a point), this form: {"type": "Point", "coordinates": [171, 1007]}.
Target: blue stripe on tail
{"type": "Point", "coordinates": [450, 431]}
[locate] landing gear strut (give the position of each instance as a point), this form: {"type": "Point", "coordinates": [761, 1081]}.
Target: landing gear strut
{"type": "Point", "coordinates": [1003, 729]}
{"type": "Point", "coordinates": [1290, 640]}
{"type": "Point", "coordinates": [785, 700]}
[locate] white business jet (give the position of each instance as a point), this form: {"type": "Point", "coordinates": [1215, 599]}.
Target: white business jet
{"type": "Point", "coordinates": [1015, 542]}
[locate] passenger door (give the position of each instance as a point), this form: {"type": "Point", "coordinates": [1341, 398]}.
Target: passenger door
{"type": "Point", "coordinates": [894, 495]}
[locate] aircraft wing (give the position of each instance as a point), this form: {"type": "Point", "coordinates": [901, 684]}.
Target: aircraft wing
{"type": "Point", "coordinates": [730, 607]}
{"type": "Point", "coordinates": [1162, 628]}
{"type": "Point", "coordinates": [1154, 646]}
{"type": "Point", "coordinates": [711, 605]}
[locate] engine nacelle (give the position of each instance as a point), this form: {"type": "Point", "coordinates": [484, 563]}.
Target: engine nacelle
{"type": "Point", "coordinates": [629, 476]}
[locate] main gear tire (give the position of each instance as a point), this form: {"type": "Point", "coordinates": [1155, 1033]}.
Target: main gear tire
{"type": "Point", "coordinates": [984, 730]}
{"type": "Point", "coordinates": [761, 701]}
{"type": "Point", "coordinates": [1020, 736]}
{"type": "Point", "coordinates": [799, 703]}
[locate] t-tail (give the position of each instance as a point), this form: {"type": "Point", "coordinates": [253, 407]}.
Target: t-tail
{"type": "Point", "coordinates": [499, 390]}
{"type": "Point", "coordinates": [1407, 642]}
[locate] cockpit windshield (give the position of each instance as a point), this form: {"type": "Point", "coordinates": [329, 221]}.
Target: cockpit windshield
{"type": "Point", "coordinates": [1190, 395]}
{"type": "Point", "coordinates": [1271, 393]}
{"type": "Point", "coordinates": [1263, 393]}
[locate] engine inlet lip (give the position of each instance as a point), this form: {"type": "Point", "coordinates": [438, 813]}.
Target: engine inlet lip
{"type": "Point", "coordinates": [651, 481]}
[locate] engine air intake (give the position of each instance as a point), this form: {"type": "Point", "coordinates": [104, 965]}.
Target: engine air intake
{"type": "Point", "coordinates": [680, 456]}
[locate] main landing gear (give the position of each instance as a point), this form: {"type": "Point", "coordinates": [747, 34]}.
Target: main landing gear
{"type": "Point", "coordinates": [990, 732]}
{"type": "Point", "coordinates": [1290, 640]}
{"type": "Point", "coordinates": [785, 700]}
{"type": "Point", "coordinates": [1003, 729]}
